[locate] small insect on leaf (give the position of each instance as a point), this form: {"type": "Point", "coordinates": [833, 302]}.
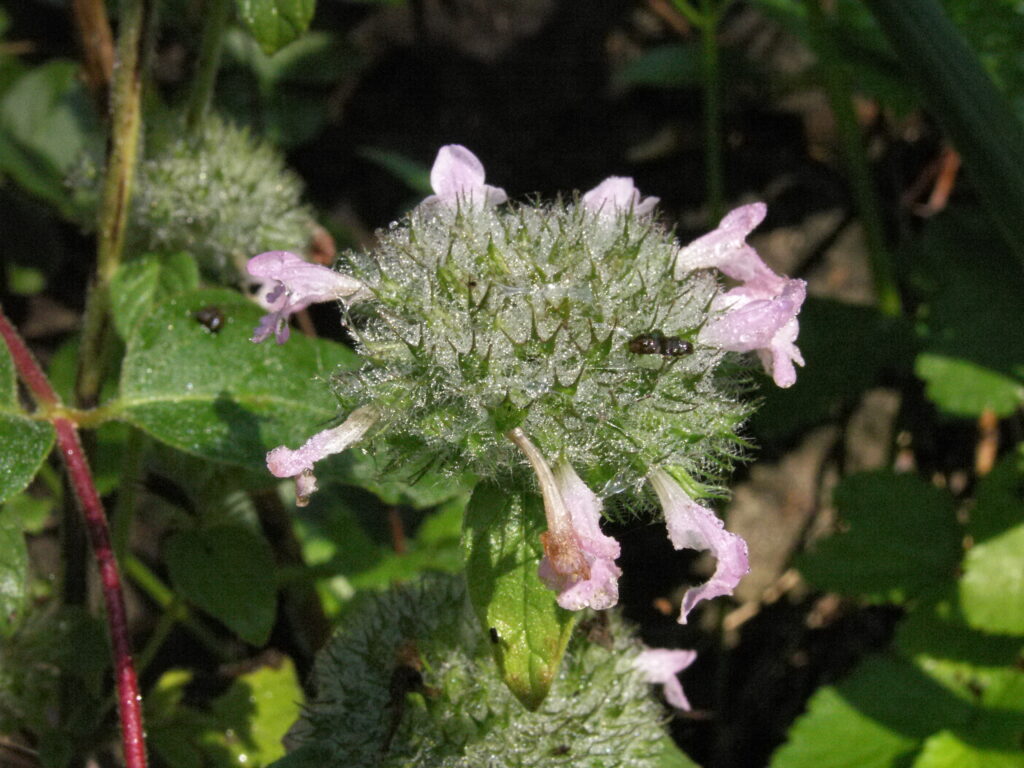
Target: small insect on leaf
{"type": "Point", "coordinates": [211, 317]}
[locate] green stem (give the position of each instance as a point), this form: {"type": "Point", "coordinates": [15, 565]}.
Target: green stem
{"type": "Point", "coordinates": [124, 507]}
{"type": "Point", "coordinates": [710, 55]}
{"type": "Point", "coordinates": [162, 595]}
{"type": "Point", "coordinates": [126, 119]}
{"type": "Point", "coordinates": [171, 615]}
{"type": "Point", "coordinates": [217, 14]}
{"type": "Point", "coordinates": [838, 87]}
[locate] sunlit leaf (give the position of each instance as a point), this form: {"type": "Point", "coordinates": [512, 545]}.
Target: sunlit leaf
{"type": "Point", "coordinates": [527, 628]}
{"type": "Point", "coordinates": [213, 393]}
{"type": "Point", "coordinates": [142, 283]}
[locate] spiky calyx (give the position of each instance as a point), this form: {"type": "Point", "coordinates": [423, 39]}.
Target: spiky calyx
{"type": "Point", "coordinates": [220, 194]}
{"type": "Point", "coordinates": [534, 316]}
{"type": "Point", "coordinates": [410, 681]}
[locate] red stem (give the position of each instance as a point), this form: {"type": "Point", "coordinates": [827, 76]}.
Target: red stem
{"type": "Point", "coordinates": [26, 364]}
{"type": "Point", "coordinates": [129, 699]}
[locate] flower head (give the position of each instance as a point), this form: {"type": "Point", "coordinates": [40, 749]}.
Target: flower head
{"type": "Point", "coordinates": [290, 284]}
{"type": "Point", "coordinates": [617, 194]}
{"type": "Point", "coordinates": [661, 666]}
{"type": "Point", "coordinates": [494, 338]}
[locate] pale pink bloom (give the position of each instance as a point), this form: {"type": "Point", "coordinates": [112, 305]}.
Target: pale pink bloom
{"type": "Point", "coordinates": [617, 193]}
{"type": "Point", "coordinates": [660, 666]}
{"type": "Point", "coordinates": [760, 313]}
{"type": "Point", "coordinates": [725, 249]}
{"type": "Point", "coordinates": [749, 319]}
{"type": "Point", "coordinates": [290, 284]}
{"type": "Point", "coordinates": [692, 526]}
{"type": "Point", "coordinates": [579, 560]}
{"type": "Point", "coordinates": [298, 463]}
{"type": "Point", "coordinates": [457, 177]}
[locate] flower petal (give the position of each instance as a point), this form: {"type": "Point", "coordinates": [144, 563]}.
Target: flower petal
{"type": "Point", "coordinates": [298, 463]}
{"type": "Point", "coordinates": [692, 526]}
{"type": "Point", "coordinates": [290, 283]}
{"type": "Point", "coordinates": [747, 323]}
{"type": "Point", "coordinates": [579, 560]}
{"type": "Point", "coordinates": [458, 175]}
{"type": "Point", "coordinates": [661, 666]}
{"type": "Point", "coordinates": [617, 193]}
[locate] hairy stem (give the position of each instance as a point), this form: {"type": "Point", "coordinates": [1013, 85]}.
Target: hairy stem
{"type": "Point", "coordinates": [125, 127]}
{"type": "Point", "coordinates": [129, 699]}
{"type": "Point", "coordinates": [93, 28]}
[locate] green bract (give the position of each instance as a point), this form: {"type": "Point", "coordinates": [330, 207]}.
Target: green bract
{"type": "Point", "coordinates": [486, 319]}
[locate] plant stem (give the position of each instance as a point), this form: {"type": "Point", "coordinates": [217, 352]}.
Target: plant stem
{"type": "Point", "coordinates": [125, 125]}
{"type": "Point", "coordinates": [217, 14]}
{"type": "Point", "coordinates": [93, 27]}
{"type": "Point", "coordinates": [129, 700]}
{"type": "Point", "coordinates": [838, 88]}
{"type": "Point", "coordinates": [710, 54]}
{"type": "Point", "coordinates": [162, 595]}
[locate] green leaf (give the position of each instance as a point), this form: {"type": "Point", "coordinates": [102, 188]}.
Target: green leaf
{"type": "Point", "coordinates": [501, 539]}
{"type": "Point", "coordinates": [26, 442]}
{"type": "Point", "coordinates": [901, 538]}
{"type": "Point", "coordinates": [992, 585]}
{"type": "Point", "coordinates": [244, 726]}
{"type": "Point", "coordinates": [285, 97]}
{"type": "Point", "coordinates": [970, 361]}
{"type": "Point", "coordinates": [13, 569]}
{"type": "Point", "coordinates": [228, 571]}
{"type": "Point", "coordinates": [256, 712]}
{"type": "Point", "coordinates": [47, 127]}
{"type": "Point", "coordinates": [876, 718]}
{"type": "Point", "coordinates": [963, 388]}
{"type": "Point", "coordinates": [935, 634]}
{"type": "Point", "coordinates": [142, 283]}
{"type": "Point", "coordinates": [275, 23]}
{"type": "Point", "coordinates": [966, 103]}
{"type": "Point", "coordinates": [671, 756]}
{"type": "Point", "coordinates": [946, 750]}
{"type": "Point", "coordinates": [216, 394]}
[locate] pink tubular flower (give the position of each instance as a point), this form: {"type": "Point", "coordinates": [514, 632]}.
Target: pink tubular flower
{"type": "Point", "coordinates": [751, 321]}
{"type": "Point", "coordinates": [579, 560]}
{"type": "Point", "coordinates": [293, 285]}
{"type": "Point", "coordinates": [660, 667]}
{"type": "Point", "coordinates": [298, 463]}
{"type": "Point", "coordinates": [617, 193]}
{"type": "Point", "coordinates": [457, 176]}
{"type": "Point", "coordinates": [692, 526]}
{"type": "Point", "coordinates": [759, 314]}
